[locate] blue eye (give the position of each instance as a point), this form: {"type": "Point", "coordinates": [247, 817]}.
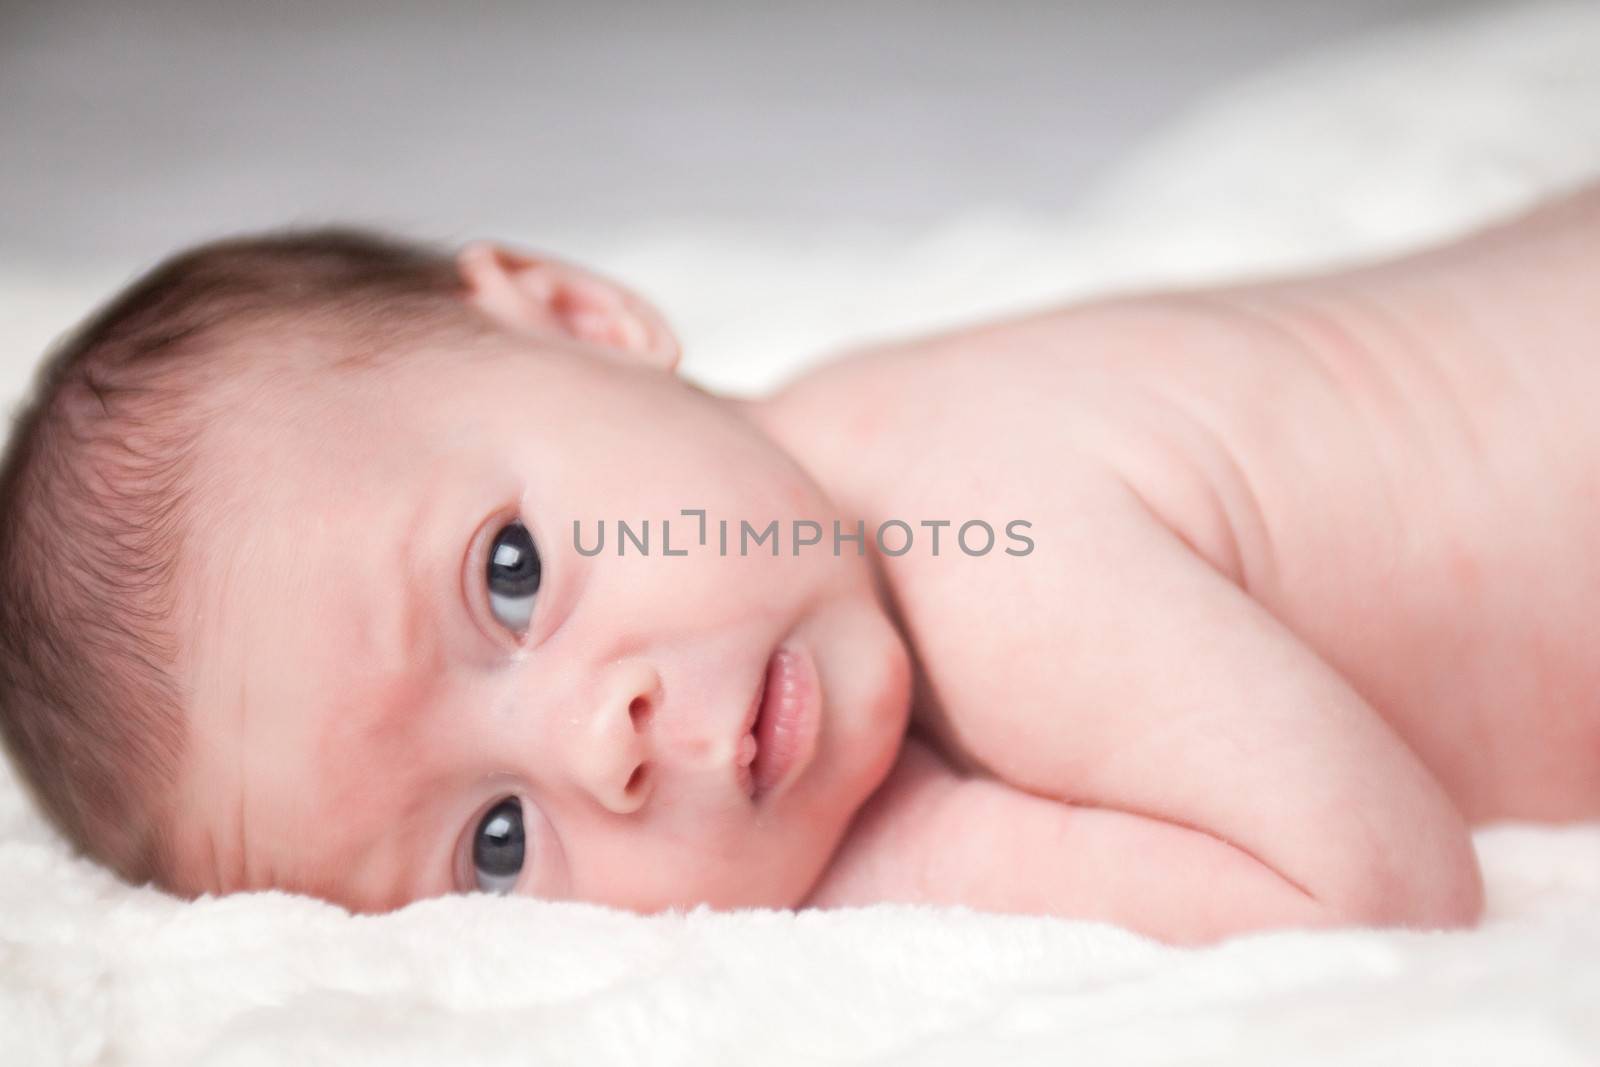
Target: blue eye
{"type": "Point", "coordinates": [499, 848]}
{"type": "Point", "coordinates": [513, 576]}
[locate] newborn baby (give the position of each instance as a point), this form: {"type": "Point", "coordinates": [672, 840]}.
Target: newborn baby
{"type": "Point", "coordinates": [338, 565]}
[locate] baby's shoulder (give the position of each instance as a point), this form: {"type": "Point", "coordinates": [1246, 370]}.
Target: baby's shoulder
{"type": "Point", "coordinates": [1029, 417]}
{"type": "Point", "coordinates": [863, 419]}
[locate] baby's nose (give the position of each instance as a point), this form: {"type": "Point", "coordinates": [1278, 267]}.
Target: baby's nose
{"type": "Point", "coordinates": [615, 754]}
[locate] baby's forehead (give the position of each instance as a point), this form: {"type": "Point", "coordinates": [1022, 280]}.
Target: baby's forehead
{"type": "Point", "coordinates": [317, 422]}
{"type": "Point", "coordinates": [311, 660]}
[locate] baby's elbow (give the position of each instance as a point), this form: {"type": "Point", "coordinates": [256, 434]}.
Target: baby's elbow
{"type": "Point", "coordinates": [1455, 901]}
{"type": "Point", "coordinates": [1437, 889]}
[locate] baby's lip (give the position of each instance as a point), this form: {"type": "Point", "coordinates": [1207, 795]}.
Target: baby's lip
{"type": "Point", "coordinates": [780, 727]}
{"type": "Point", "coordinates": [745, 746]}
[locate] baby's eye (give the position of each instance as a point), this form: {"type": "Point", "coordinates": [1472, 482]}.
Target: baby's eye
{"type": "Point", "coordinates": [513, 576]}
{"type": "Point", "coordinates": [498, 848]}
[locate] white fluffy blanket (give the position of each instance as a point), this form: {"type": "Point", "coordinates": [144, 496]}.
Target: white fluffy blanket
{"type": "Point", "coordinates": [1395, 141]}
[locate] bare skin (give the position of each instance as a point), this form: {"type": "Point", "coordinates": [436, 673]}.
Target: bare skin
{"type": "Point", "coordinates": [1312, 592]}
{"type": "Point", "coordinates": [1319, 589]}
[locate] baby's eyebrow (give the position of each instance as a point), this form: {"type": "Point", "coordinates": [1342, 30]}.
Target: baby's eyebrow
{"type": "Point", "coordinates": [409, 660]}
{"type": "Point", "coordinates": [374, 726]}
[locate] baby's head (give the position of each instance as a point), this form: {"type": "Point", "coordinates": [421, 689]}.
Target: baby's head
{"type": "Point", "coordinates": [299, 591]}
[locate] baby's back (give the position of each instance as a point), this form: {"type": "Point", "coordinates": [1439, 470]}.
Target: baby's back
{"type": "Point", "coordinates": [1401, 464]}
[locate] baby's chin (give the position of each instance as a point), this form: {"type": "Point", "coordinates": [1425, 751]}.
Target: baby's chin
{"type": "Point", "coordinates": [865, 671]}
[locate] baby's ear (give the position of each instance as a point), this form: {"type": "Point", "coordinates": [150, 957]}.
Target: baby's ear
{"type": "Point", "coordinates": [543, 297]}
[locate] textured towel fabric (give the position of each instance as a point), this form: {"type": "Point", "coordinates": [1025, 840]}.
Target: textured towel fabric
{"type": "Point", "coordinates": [1398, 140]}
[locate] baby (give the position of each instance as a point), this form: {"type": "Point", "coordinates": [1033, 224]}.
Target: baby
{"type": "Point", "coordinates": [339, 565]}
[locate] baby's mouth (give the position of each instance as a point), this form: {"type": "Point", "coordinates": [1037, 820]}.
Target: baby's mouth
{"type": "Point", "coordinates": [780, 729]}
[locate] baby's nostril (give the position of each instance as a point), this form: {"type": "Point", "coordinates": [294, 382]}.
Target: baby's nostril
{"type": "Point", "coordinates": [636, 779]}
{"type": "Point", "coordinates": [639, 711]}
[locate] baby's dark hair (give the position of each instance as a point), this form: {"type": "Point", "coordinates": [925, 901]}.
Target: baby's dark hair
{"type": "Point", "coordinates": [97, 489]}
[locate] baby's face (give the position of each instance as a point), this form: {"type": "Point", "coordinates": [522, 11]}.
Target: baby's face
{"type": "Point", "coordinates": [408, 681]}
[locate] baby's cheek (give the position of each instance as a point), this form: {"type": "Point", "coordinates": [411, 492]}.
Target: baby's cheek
{"type": "Point", "coordinates": [655, 873]}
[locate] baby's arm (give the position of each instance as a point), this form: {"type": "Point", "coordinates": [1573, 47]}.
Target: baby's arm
{"type": "Point", "coordinates": [1199, 771]}
{"type": "Point", "coordinates": [931, 836]}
